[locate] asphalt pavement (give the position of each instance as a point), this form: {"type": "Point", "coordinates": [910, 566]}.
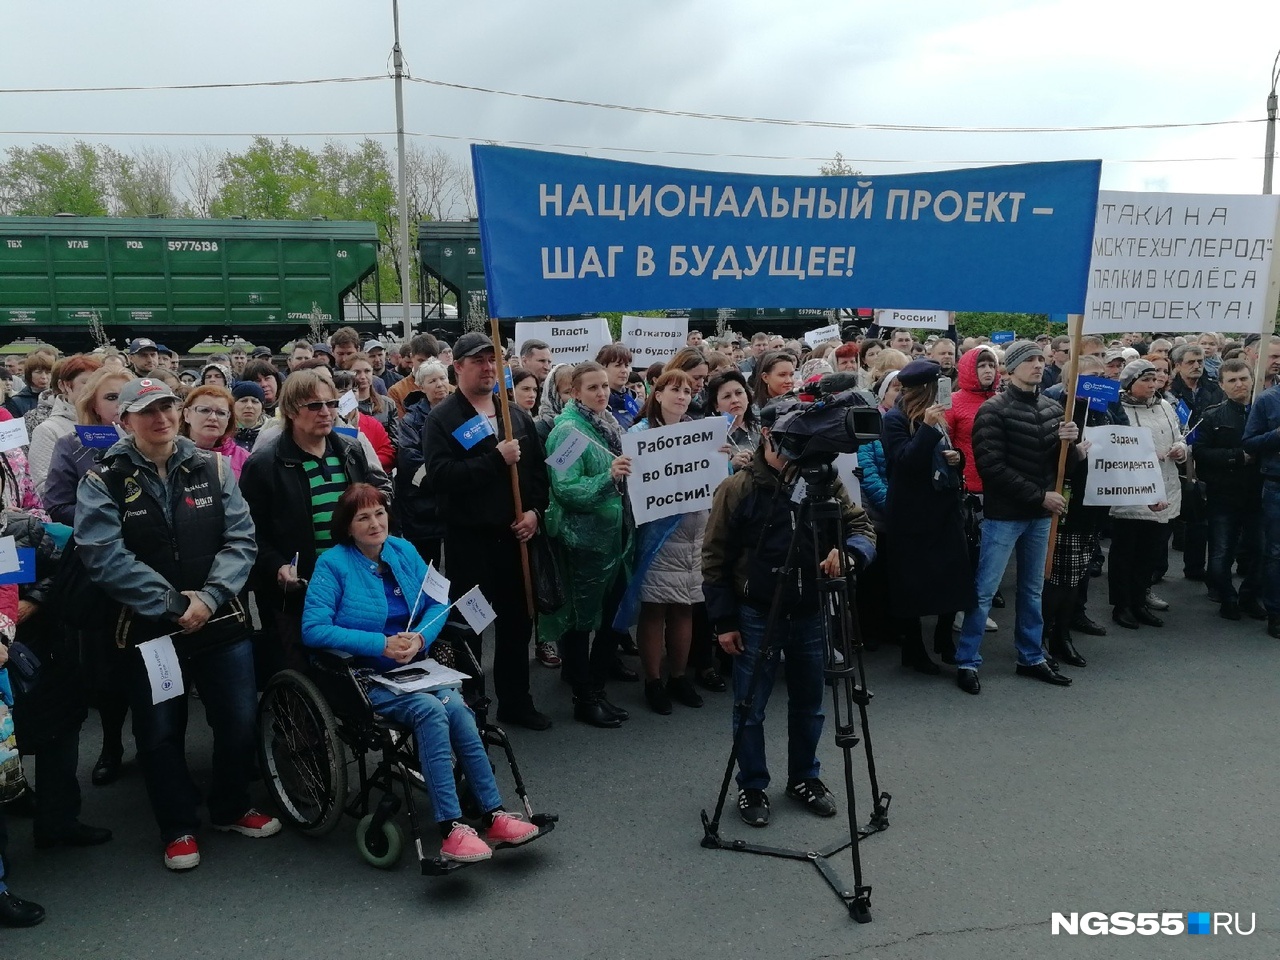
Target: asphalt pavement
{"type": "Point", "coordinates": [1148, 785]}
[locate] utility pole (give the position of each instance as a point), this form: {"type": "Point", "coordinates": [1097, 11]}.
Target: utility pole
{"type": "Point", "coordinates": [397, 60]}
{"type": "Point", "coordinates": [1268, 161]}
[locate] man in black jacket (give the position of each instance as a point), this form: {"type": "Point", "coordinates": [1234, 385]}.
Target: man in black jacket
{"type": "Point", "coordinates": [1198, 391]}
{"type": "Point", "coordinates": [1016, 439]}
{"type": "Point", "coordinates": [1233, 494]}
{"type": "Point", "coordinates": [468, 467]}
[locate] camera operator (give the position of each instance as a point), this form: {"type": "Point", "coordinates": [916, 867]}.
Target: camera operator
{"type": "Point", "coordinates": [752, 522]}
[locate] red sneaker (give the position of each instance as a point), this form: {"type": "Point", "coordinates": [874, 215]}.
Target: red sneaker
{"type": "Point", "coordinates": [511, 829]}
{"type": "Point", "coordinates": [252, 824]}
{"type": "Point", "coordinates": [546, 654]}
{"type": "Point", "coordinates": [182, 854]}
{"type": "Point", "coordinates": [464, 845]}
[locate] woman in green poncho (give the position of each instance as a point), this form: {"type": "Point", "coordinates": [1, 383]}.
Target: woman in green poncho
{"type": "Point", "coordinates": [590, 518]}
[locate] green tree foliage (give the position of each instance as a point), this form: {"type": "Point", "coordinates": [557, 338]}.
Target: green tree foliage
{"type": "Point", "coordinates": [1024, 325]}
{"type": "Point", "coordinates": [838, 167]}
{"type": "Point", "coordinates": [44, 180]}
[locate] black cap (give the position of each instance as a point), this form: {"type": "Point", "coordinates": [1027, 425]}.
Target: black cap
{"type": "Point", "coordinates": [261, 352]}
{"type": "Point", "coordinates": [469, 344]}
{"type": "Point", "coordinates": [919, 372]}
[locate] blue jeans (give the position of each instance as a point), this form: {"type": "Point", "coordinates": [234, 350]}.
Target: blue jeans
{"type": "Point", "coordinates": [1271, 540]}
{"type": "Point", "coordinates": [442, 725]}
{"type": "Point", "coordinates": [801, 640]}
{"type": "Point", "coordinates": [1235, 532]}
{"type": "Point", "coordinates": [225, 678]}
{"type": "Point", "coordinates": [1028, 540]}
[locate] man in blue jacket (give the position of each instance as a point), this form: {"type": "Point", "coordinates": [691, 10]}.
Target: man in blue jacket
{"type": "Point", "coordinates": [1262, 440]}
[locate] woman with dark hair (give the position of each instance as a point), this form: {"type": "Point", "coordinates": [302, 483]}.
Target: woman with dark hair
{"type": "Point", "coordinates": [730, 397]}
{"type": "Point", "coordinates": [667, 580]}
{"type": "Point", "coordinates": [208, 419]}
{"type": "Point", "coordinates": [929, 571]}
{"type": "Point", "coordinates": [692, 361]}
{"type": "Point", "coordinates": [37, 371]}
{"type": "Point", "coordinates": [615, 360]}
{"type": "Point", "coordinates": [590, 518]}
{"type": "Point", "coordinates": [70, 376]}
{"type": "Point", "coordinates": [265, 375]}
{"type": "Point", "coordinates": [867, 352]}
{"type": "Point", "coordinates": [366, 599]}
{"type": "Point", "coordinates": [774, 377]}
{"type": "Point", "coordinates": [370, 403]}
{"type": "Point", "coordinates": [524, 390]}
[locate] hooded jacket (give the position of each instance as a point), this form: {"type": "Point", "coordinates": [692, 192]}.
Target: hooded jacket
{"type": "Point", "coordinates": [969, 396]}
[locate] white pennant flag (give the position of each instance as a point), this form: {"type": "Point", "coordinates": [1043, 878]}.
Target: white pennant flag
{"type": "Point", "coordinates": [574, 446]}
{"type": "Point", "coordinates": [436, 585]}
{"type": "Point", "coordinates": [475, 610]}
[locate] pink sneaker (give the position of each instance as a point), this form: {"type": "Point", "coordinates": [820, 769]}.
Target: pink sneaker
{"type": "Point", "coordinates": [464, 845]}
{"type": "Point", "coordinates": [252, 824]}
{"type": "Point", "coordinates": [511, 829]}
{"type": "Point", "coordinates": [182, 854]}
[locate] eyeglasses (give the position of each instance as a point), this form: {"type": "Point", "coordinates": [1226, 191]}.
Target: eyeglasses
{"type": "Point", "coordinates": [315, 406]}
{"type": "Point", "coordinates": [212, 412]}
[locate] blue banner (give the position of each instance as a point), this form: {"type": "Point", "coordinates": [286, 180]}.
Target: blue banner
{"type": "Point", "coordinates": [567, 234]}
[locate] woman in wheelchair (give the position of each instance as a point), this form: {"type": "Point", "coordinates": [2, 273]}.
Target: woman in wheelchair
{"type": "Point", "coordinates": [362, 595]}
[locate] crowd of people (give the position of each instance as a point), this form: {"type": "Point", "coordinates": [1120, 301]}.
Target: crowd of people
{"type": "Point", "coordinates": [246, 511]}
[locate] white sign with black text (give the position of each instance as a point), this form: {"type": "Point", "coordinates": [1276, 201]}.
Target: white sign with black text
{"type": "Point", "coordinates": [1123, 468]}
{"type": "Point", "coordinates": [571, 341]}
{"type": "Point", "coordinates": [915, 319]}
{"type": "Point", "coordinates": [653, 339]}
{"type": "Point", "coordinates": [675, 469]}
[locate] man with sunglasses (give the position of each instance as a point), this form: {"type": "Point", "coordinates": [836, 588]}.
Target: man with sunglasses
{"type": "Point", "coordinates": [163, 530]}
{"type": "Point", "coordinates": [293, 481]}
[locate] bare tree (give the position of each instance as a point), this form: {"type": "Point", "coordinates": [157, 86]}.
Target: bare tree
{"type": "Point", "coordinates": [200, 188]}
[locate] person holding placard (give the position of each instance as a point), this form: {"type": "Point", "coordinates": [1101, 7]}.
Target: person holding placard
{"type": "Point", "coordinates": [163, 530]}
{"type": "Point", "coordinates": [693, 361]}
{"type": "Point", "coordinates": [1138, 533]}
{"type": "Point", "coordinates": [666, 583]}
{"type": "Point", "coordinates": [366, 598]}
{"type": "Point", "coordinates": [590, 517]}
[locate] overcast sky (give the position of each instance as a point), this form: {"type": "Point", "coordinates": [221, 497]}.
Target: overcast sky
{"type": "Point", "coordinates": [981, 63]}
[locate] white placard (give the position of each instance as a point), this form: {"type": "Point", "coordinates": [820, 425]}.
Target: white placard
{"type": "Point", "coordinates": [435, 585]}
{"type": "Point", "coordinates": [1184, 262]}
{"type": "Point", "coordinates": [846, 465]}
{"type": "Point", "coordinates": [571, 341]}
{"type": "Point", "coordinates": [830, 332]}
{"type": "Point", "coordinates": [653, 339]}
{"type": "Point", "coordinates": [475, 610]}
{"type": "Point", "coordinates": [915, 319]}
{"type": "Point", "coordinates": [163, 669]}
{"type": "Point", "coordinates": [347, 402]}
{"type": "Point", "coordinates": [568, 453]}
{"type": "Point", "coordinates": [13, 434]}
{"type": "Point", "coordinates": [675, 469]}
{"type": "Point", "coordinates": [1123, 468]}
{"type": "Point", "coordinates": [8, 555]}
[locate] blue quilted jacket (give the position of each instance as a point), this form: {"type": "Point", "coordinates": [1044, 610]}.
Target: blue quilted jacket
{"type": "Point", "coordinates": [346, 605]}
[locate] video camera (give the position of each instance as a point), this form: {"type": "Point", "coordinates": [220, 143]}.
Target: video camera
{"type": "Point", "coordinates": [810, 433]}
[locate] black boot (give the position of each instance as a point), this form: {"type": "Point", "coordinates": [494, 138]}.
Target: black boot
{"type": "Point", "coordinates": [944, 641]}
{"type": "Point", "coordinates": [1061, 645]}
{"type": "Point", "coordinates": [914, 654]}
{"type": "Point", "coordinates": [590, 710]}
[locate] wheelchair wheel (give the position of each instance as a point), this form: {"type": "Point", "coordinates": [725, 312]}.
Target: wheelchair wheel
{"type": "Point", "coordinates": [303, 760]}
{"type": "Point", "coordinates": [380, 849]}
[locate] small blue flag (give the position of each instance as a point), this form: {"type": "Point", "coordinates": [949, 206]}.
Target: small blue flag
{"type": "Point", "coordinates": [509, 383]}
{"type": "Point", "coordinates": [1003, 336]}
{"type": "Point", "coordinates": [352, 433]}
{"type": "Point", "coordinates": [101, 437]}
{"type": "Point", "coordinates": [1098, 388]}
{"type": "Point", "coordinates": [1184, 412]}
{"type": "Point", "coordinates": [26, 572]}
{"type": "Point", "coordinates": [473, 431]}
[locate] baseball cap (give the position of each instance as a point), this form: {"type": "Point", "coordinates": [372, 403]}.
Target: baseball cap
{"type": "Point", "coordinates": [261, 352]}
{"type": "Point", "coordinates": [161, 348]}
{"type": "Point", "coordinates": [469, 344]}
{"type": "Point", "coordinates": [372, 345]}
{"type": "Point", "coordinates": [137, 395]}
{"type": "Point", "coordinates": [139, 344]}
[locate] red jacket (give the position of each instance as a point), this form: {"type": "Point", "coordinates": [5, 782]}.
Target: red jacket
{"type": "Point", "coordinates": [966, 400]}
{"type": "Point", "coordinates": [377, 435]}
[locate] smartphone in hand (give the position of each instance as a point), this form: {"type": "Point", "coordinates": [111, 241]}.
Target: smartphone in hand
{"type": "Point", "coordinates": [944, 391]}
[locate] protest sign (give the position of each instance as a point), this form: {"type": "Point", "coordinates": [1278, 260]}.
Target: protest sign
{"type": "Point", "coordinates": [830, 332]}
{"type": "Point", "coordinates": [13, 434]}
{"type": "Point", "coordinates": [571, 341]}
{"type": "Point", "coordinates": [653, 339]}
{"type": "Point", "coordinates": [564, 233]}
{"type": "Point", "coordinates": [675, 469]}
{"type": "Point", "coordinates": [915, 319]}
{"type": "Point", "coordinates": [1182, 262]}
{"type": "Point", "coordinates": [1123, 468]}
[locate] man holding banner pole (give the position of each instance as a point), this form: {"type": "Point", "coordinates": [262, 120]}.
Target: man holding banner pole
{"type": "Point", "coordinates": [470, 469]}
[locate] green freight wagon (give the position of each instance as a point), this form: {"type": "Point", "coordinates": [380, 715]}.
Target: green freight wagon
{"type": "Point", "coordinates": [449, 252]}
{"type": "Point", "coordinates": [68, 280]}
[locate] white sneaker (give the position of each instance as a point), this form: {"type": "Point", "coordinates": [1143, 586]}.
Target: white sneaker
{"type": "Point", "coordinates": [992, 626]}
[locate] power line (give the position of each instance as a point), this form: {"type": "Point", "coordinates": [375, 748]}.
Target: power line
{"type": "Point", "coordinates": [193, 86]}
{"type": "Point", "coordinates": [603, 149]}
{"type": "Point", "coordinates": [827, 124]}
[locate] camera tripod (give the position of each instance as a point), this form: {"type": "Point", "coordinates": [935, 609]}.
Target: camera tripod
{"type": "Point", "coordinates": [820, 512]}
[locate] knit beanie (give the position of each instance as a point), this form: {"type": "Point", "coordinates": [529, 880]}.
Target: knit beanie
{"type": "Point", "coordinates": [1020, 352]}
{"type": "Point", "coordinates": [247, 388]}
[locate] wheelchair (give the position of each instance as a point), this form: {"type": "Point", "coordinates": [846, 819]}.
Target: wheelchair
{"type": "Point", "coordinates": [315, 725]}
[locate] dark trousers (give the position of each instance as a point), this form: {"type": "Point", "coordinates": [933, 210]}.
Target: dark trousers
{"type": "Point", "coordinates": [57, 786]}
{"type": "Point", "coordinates": [1235, 533]}
{"type": "Point", "coordinates": [224, 677]}
{"type": "Point", "coordinates": [586, 664]}
{"type": "Point", "coordinates": [1195, 537]}
{"type": "Point", "coordinates": [1136, 549]}
{"type": "Point", "coordinates": [491, 560]}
